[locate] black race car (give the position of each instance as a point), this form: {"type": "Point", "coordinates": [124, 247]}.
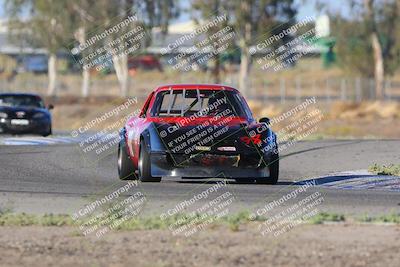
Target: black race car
{"type": "Point", "coordinates": [24, 114]}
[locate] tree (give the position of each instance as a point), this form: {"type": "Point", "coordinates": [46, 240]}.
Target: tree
{"type": "Point", "coordinates": [252, 21]}
{"type": "Point", "coordinates": [255, 21]}
{"type": "Point", "coordinates": [47, 25]}
{"type": "Point", "coordinates": [53, 24]}
{"type": "Point", "coordinates": [369, 45]}
{"type": "Point", "coordinates": [379, 71]}
{"type": "Point", "coordinates": [151, 13]}
{"type": "Point", "coordinates": [81, 14]}
{"type": "Point", "coordinates": [210, 9]}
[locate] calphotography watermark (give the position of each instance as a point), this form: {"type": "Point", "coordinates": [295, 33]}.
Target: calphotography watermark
{"type": "Point", "coordinates": [200, 210]}
{"type": "Point", "coordinates": [110, 211]}
{"type": "Point", "coordinates": [200, 30]}
{"type": "Point", "coordinates": [194, 51]}
{"type": "Point", "coordinates": [203, 125]}
{"type": "Point", "coordinates": [284, 49]}
{"type": "Point", "coordinates": [300, 122]}
{"type": "Point", "coordinates": [294, 208]}
{"type": "Point", "coordinates": [98, 136]}
{"type": "Point", "coordinates": [101, 48]}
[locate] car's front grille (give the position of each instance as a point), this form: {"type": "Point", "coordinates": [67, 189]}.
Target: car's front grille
{"type": "Point", "coordinates": [207, 159]}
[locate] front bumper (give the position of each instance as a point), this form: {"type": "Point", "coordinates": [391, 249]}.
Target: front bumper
{"type": "Point", "coordinates": [162, 166]}
{"type": "Point", "coordinates": [34, 126]}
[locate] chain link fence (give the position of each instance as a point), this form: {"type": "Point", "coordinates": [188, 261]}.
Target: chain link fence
{"type": "Point", "coordinates": [352, 89]}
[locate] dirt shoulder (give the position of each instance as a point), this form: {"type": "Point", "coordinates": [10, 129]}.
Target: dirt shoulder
{"type": "Point", "coordinates": [306, 245]}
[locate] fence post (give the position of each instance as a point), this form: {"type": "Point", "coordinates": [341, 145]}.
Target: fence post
{"type": "Point", "coordinates": [298, 89]}
{"type": "Point", "coordinates": [387, 92]}
{"type": "Point", "coordinates": [327, 90]}
{"type": "Point", "coordinates": [282, 90]}
{"type": "Point", "coordinates": [314, 88]}
{"type": "Point", "coordinates": [343, 89]}
{"type": "Point", "coordinates": [372, 89]}
{"type": "Point", "coordinates": [358, 89]}
{"type": "Point", "coordinates": [129, 86]}
{"type": "Point", "coordinates": [265, 96]}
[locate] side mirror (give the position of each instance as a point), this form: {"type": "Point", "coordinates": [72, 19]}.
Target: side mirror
{"type": "Point", "coordinates": [265, 120]}
{"type": "Point", "coordinates": [50, 107]}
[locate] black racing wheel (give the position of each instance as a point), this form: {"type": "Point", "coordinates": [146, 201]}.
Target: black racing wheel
{"type": "Point", "coordinates": [144, 165]}
{"type": "Point", "coordinates": [126, 170]}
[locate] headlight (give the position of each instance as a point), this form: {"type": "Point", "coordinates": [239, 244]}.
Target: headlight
{"type": "Point", "coordinates": [3, 115]}
{"type": "Point", "coordinates": [38, 115]}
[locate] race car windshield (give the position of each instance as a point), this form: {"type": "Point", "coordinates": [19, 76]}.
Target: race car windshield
{"type": "Point", "coordinates": [201, 103]}
{"type": "Point", "coordinates": [21, 100]}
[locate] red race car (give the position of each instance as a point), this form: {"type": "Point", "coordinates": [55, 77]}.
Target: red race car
{"type": "Point", "coordinates": [197, 131]}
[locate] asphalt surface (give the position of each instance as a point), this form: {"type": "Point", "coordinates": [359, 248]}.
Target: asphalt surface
{"type": "Point", "coordinates": [60, 178]}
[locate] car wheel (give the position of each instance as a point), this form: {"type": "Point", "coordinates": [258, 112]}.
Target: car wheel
{"type": "Point", "coordinates": [273, 172]}
{"type": "Point", "coordinates": [126, 170]}
{"type": "Point", "coordinates": [144, 165]}
{"type": "Point", "coordinates": [49, 132]}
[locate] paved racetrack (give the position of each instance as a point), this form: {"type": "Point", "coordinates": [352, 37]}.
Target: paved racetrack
{"type": "Point", "coordinates": [58, 178]}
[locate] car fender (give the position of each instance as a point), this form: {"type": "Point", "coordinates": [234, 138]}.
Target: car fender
{"type": "Point", "coordinates": [152, 140]}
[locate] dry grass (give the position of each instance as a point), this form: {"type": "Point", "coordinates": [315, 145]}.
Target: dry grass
{"type": "Point", "coordinates": [365, 110]}
{"type": "Point", "coordinates": [308, 73]}
{"type": "Point", "coordinates": [380, 119]}
{"type": "Point", "coordinates": [340, 120]}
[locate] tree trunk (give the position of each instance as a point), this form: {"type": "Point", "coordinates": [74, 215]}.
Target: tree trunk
{"type": "Point", "coordinates": [378, 68]}
{"type": "Point", "coordinates": [80, 35]}
{"type": "Point", "coordinates": [52, 74]}
{"type": "Point", "coordinates": [217, 76]}
{"type": "Point", "coordinates": [379, 72]}
{"type": "Point", "coordinates": [245, 58]}
{"type": "Point", "coordinates": [121, 70]}
{"type": "Point", "coordinates": [244, 70]}
{"type": "Point", "coordinates": [85, 82]}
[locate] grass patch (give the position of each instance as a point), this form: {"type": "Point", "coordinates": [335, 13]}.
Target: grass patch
{"type": "Point", "coordinates": [233, 221]}
{"type": "Point", "coordinates": [153, 222]}
{"type": "Point", "coordinates": [136, 223]}
{"type": "Point", "coordinates": [391, 169]}
{"type": "Point", "coordinates": [389, 218]}
{"type": "Point", "coordinates": [23, 219]}
{"type": "Point", "coordinates": [149, 223]}
{"type": "Point", "coordinates": [326, 217]}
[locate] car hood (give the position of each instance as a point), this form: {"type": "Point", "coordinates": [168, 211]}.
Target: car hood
{"type": "Point", "coordinates": [22, 112]}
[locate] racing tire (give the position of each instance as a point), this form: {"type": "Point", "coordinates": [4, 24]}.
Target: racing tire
{"type": "Point", "coordinates": [49, 132]}
{"type": "Point", "coordinates": [273, 172]}
{"type": "Point", "coordinates": [144, 165]}
{"type": "Point", "coordinates": [126, 170]}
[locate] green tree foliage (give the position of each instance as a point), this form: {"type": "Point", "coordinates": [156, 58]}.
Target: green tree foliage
{"type": "Point", "coordinates": [252, 21]}
{"type": "Point", "coordinates": [56, 24]}
{"type": "Point", "coordinates": [351, 46]}
{"type": "Point", "coordinates": [355, 52]}
{"type": "Point", "coordinates": [48, 26]}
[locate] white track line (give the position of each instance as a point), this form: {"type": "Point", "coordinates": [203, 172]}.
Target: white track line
{"type": "Point", "coordinates": [356, 180]}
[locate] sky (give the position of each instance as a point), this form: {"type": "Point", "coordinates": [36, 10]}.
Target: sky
{"type": "Point", "coordinates": [308, 7]}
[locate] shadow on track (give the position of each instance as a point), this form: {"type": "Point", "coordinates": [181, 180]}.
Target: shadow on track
{"type": "Point", "coordinates": [318, 148]}
{"type": "Point", "coordinates": [201, 181]}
